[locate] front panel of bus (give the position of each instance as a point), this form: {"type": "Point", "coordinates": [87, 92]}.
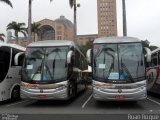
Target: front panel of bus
{"type": "Point", "coordinates": [118, 72]}
{"type": "Point", "coordinates": [44, 73]}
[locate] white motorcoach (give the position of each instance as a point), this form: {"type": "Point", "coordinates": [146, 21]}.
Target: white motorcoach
{"type": "Point", "coordinates": [52, 69]}
{"type": "Point", "coordinates": [10, 71]}
{"type": "Point", "coordinates": [118, 69]}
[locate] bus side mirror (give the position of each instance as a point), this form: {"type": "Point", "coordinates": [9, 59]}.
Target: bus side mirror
{"type": "Point", "coordinates": [88, 54]}
{"type": "Point", "coordinates": [16, 58]}
{"type": "Point", "coordinates": [69, 56]}
{"type": "Point", "coordinates": [148, 54]}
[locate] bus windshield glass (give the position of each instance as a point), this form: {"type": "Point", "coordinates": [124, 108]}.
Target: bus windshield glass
{"type": "Point", "coordinates": [118, 62]}
{"type": "Point", "coordinates": [45, 64]}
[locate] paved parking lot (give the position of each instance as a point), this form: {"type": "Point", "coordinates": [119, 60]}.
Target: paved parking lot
{"type": "Point", "coordinates": [81, 107]}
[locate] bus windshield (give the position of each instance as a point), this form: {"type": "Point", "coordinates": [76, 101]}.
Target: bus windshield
{"type": "Point", "coordinates": [45, 64]}
{"type": "Point", "coordinates": [118, 62]}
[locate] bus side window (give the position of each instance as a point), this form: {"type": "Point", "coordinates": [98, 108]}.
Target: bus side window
{"type": "Point", "coordinates": [154, 60]}
{"type": "Point", "coordinates": [4, 63]}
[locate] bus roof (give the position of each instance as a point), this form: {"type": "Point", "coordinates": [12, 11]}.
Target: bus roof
{"type": "Point", "coordinates": [48, 43]}
{"type": "Point", "coordinates": [116, 40]}
{"type": "Point", "coordinates": [12, 46]}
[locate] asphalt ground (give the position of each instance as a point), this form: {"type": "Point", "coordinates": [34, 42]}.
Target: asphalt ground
{"type": "Point", "coordinates": [82, 107]}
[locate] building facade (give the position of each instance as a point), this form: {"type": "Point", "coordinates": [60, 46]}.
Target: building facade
{"type": "Point", "coordinates": [63, 29]}
{"type": "Point", "coordinates": [107, 18]}
{"type": "Point", "coordinates": [59, 29]}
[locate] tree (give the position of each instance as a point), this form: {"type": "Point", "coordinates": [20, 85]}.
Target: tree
{"type": "Point", "coordinates": [146, 43]}
{"type": "Point", "coordinates": [35, 29]}
{"type": "Point", "coordinates": [2, 37]}
{"type": "Point", "coordinates": [153, 47]}
{"type": "Point", "coordinates": [84, 48]}
{"type": "Point", "coordinates": [7, 2]}
{"type": "Point", "coordinates": [18, 28]}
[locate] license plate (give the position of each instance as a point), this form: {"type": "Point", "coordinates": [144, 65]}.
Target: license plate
{"type": "Point", "coordinates": [41, 96]}
{"type": "Point", "coordinates": [119, 97]}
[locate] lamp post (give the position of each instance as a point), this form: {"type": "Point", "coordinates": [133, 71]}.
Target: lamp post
{"type": "Point", "coordinates": [75, 21]}
{"type": "Point", "coordinates": [124, 18]}
{"type": "Point", "coordinates": [29, 21]}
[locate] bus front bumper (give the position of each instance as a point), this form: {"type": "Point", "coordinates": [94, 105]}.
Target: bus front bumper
{"type": "Point", "coordinates": [106, 94]}
{"type": "Point", "coordinates": [52, 94]}
{"type": "Point", "coordinates": [103, 96]}
{"type": "Point", "coordinates": [44, 92]}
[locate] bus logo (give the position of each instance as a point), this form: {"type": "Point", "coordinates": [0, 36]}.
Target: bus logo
{"type": "Point", "coordinates": [41, 90]}
{"type": "Point", "coordinates": [119, 90]}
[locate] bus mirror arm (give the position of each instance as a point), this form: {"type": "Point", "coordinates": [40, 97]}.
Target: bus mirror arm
{"type": "Point", "coordinates": [16, 57]}
{"type": "Point", "coordinates": [88, 55]}
{"type": "Point", "coordinates": [69, 56]}
{"type": "Point", "coordinates": [148, 54]}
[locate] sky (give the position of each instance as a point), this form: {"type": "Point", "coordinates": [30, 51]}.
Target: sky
{"type": "Point", "coordinates": [143, 16]}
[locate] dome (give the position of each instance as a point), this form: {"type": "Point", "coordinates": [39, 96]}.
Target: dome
{"type": "Point", "coordinates": [65, 22]}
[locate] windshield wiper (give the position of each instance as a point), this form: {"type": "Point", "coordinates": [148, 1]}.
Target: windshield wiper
{"type": "Point", "coordinates": [124, 66]}
{"type": "Point", "coordinates": [38, 69]}
{"type": "Point", "coordinates": [110, 69]}
{"type": "Point", "coordinates": [106, 51]}
{"type": "Point", "coordinates": [112, 65]}
{"type": "Point", "coordinates": [127, 71]}
{"type": "Point", "coordinates": [47, 69]}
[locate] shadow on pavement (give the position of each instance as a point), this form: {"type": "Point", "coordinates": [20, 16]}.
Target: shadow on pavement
{"type": "Point", "coordinates": [8, 102]}
{"type": "Point", "coordinates": [156, 95]}
{"type": "Point", "coordinates": [119, 104]}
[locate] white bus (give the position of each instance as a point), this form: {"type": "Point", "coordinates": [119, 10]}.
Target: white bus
{"type": "Point", "coordinates": [153, 72]}
{"type": "Point", "coordinates": [118, 69]}
{"type": "Point", "coordinates": [10, 71]}
{"type": "Point", "coordinates": [52, 69]}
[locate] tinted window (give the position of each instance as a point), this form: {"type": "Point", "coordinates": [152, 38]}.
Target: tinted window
{"type": "Point", "coordinates": [159, 58]}
{"type": "Point", "coordinates": [4, 62]}
{"type": "Point", "coordinates": [154, 61]}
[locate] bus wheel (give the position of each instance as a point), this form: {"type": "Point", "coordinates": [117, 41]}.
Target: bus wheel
{"type": "Point", "coordinates": [15, 94]}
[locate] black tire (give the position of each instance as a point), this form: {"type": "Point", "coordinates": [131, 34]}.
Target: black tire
{"type": "Point", "coordinates": [15, 94]}
{"type": "Point", "coordinates": [134, 102]}
{"type": "Point", "coordinates": [86, 86]}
